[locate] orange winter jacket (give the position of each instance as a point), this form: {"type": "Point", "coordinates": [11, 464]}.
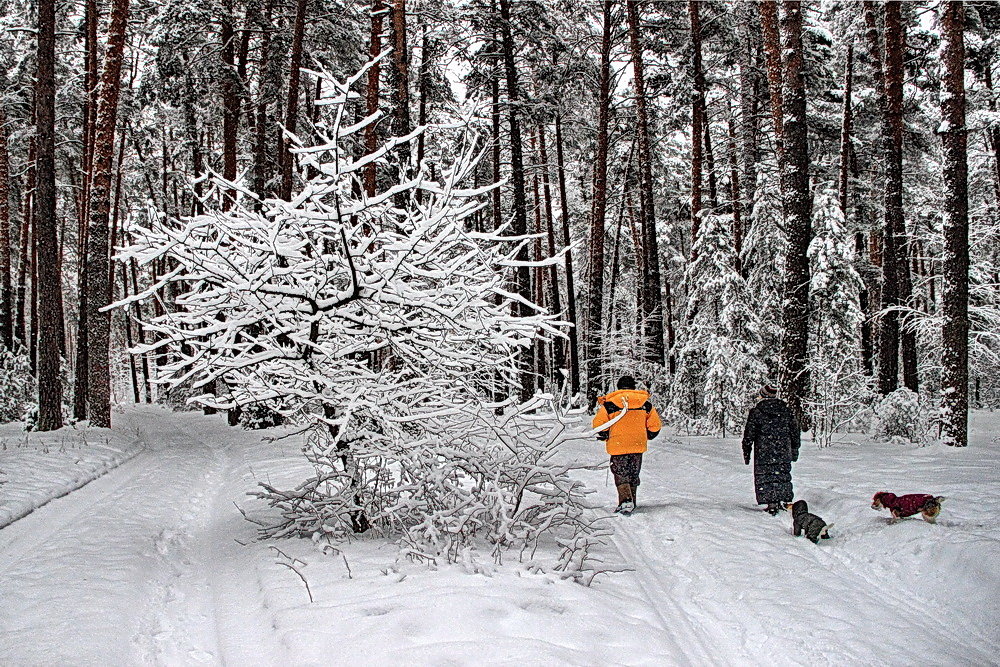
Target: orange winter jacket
{"type": "Point", "coordinates": [640, 423]}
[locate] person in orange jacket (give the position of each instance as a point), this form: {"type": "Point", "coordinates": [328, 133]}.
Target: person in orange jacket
{"type": "Point", "coordinates": [626, 439]}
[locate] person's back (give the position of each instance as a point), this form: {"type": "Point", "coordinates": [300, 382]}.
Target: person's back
{"type": "Point", "coordinates": [772, 436]}
{"type": "Point", "coordinates": [773, 428]}
{"type": "Point", "coordinates": [635, 422]}
{"type": "Point", "coordinates": [630, 433]}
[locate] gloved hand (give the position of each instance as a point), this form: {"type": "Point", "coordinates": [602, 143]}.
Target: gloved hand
{"type": "Point", "coordinates": [746, 459]}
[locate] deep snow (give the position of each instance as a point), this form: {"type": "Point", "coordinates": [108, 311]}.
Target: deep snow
{"type": "Point", "coordinates": [153, 563]}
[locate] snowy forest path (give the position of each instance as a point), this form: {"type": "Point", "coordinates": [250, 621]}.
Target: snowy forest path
{"type": "Point", "coordinates": [142, 543]}
{"type": "Point", "coordinates": [731, 585]}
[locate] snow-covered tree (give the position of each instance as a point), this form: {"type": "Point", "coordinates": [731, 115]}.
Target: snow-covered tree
{"type": "Point", "coordinates": [382, 327]}
{"type": "Point", "coordinates": [840, 390]}
{"type": "Point", "coordinates": [719, 359]}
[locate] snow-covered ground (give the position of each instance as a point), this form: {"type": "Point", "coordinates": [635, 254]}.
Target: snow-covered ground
{"type": "Point", "coordinates": [37, 467]}
{"type": "Point", "coordinates": [153, 563]}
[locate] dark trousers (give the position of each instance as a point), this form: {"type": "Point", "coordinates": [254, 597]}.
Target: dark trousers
{"type": "Point", "coordinates": [625, 468]}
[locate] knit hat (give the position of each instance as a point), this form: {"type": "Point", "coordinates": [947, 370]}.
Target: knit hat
{"type": "Point", "coordinates": [626, 382]}
{"type": "Point", "coordinates": [768, 391]}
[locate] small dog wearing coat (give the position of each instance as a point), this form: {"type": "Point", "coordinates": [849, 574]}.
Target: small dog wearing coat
{"type": "Point", "coordinates": [903, 506]}
{"type": "Point", "coordinates": [802, 521]}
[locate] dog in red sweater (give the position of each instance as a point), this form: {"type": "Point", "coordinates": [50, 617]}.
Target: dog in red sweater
{"type": "Point", "coordinates": [903, 506]}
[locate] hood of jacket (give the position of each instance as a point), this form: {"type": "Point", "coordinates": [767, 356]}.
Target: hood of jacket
{"type": "Point", "coordinates": [635, 397]}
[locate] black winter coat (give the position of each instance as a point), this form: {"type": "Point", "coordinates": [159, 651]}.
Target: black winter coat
{"type": "Point", "coordinates": [772, 434]}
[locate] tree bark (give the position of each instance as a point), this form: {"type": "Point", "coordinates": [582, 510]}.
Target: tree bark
{"type": "Point", "coordinates": [772, 57]}
{"type": "Point", "coordinates": [98, 260]}
{"type": "Point", "coordinates": [797, 209]}
{"type": "Point", "coordinates": [372, 91]}
{"type": "Point", "coordinates": [49, 304]}
{"type": "Point", "coordinates": [736, 198]}
{"type": "Point", "coordinates": [749, 109]}
{"type": "Point", "coordinates": [598, 214]}
{"type": "Point", "coordinates": [955, 291]}
{"type": "Point", "coordinates": [400, 69]}
{"type": "Point", "coordinates": [89, 112]}
{"type": "Point", "coordinates": [6, 295]}
{"type": "Point", "coordinates": [292, 106]}
{"type": "Point", "coordinates": [24, 254]}
{"type": "Point", "coordinates": [895, 45]}
{"type": "Point", "coordinates": [843, 175]}
{"type": "Point", "coordinates": [574, 349]}
{"type": "Point", "coordinates": [844, 198]}
{"type": "Point", "coordinates": [888, 330]}
{"type": "Point", "coordinates": [269, 91]}
{"type": "Point", "coordinates": [230, 87]}
{"type": "Point", "coordinates": [520, 224]}
{"type": "Point", "coordinates": [555, 300]}
{"type": "Point", "coordinates": [697, 123]}
{"type": "Point", "coordinates": [651, 285]}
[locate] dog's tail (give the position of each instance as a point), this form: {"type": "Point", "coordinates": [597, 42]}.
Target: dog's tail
{"type": "Point", "coordinates": [825, 532]}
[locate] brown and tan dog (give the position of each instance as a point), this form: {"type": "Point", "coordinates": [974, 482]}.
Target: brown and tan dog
{"type": "Point", "coordinates": [907, 505]}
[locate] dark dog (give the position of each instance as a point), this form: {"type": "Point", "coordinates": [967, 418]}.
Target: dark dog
{"type": "Point", "coordinates": [802, 521]}
{"type": "Point", "coordinates": [903, 506]}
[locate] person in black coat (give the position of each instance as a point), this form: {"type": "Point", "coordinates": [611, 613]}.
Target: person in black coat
{"type": "Point", "coordinates": [772, 435]}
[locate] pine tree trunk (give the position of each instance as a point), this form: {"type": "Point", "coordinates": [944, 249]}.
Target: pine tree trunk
{"type": "Point", "coordinates": [598, 214]}
{"type": "Point", "coordinates": [772, 57]}
{"type": "Point", "coordinates": [749, 110]}
{"type": "Point", "coordinates": [520, 224]}
{"type": "Point", "coordinates": [651, 285]}
{"type": "Point", "coordinates": [372, 91]}
{"type": "Point", "coordinates": [98, 259]}
{"type": "Point", "coordinates": [888, 330]}
{"type": "Point", "coordinates": [797, 214]}
{"type": "Point", "coordinates": [287, 160]}
{"type": "Point", "coordinates": [6, 293]}
{"type": "Point", "coordinates": [713, 183]}
{"type": "Point", "coordinates": [574, 348]}
{"type": "Point", "coordinates": [423, 85]}
{"type": "Point", "coordinates": [538, 274]}
{"type": "Point", "coordinates": [736, 198]}
{"type": "Point", "coordinates": [400, 69]}
{"type": "Point", "coordinates": [269, 91]}
{"type": "Point", "coordinates": [89, 113]}
{"type": "Point", "coordinates": [230, 84]}
{"type": "Point", "coordinates": [895, 45]}
{"type": "Point", "coordinates": [24, 254]}
{"type": "Point", "coordinates": [555, 300]}
{"type": "Point", "coordinates": [955, 292]}
{"type": "Point", "coordinates": [844, 192]}
{"type": "Point", "coordinates": [843, 175]}
{"type": "Point", "coordinates": [47, 278]}
{"type": "Point", "coordinates": [697, 123]}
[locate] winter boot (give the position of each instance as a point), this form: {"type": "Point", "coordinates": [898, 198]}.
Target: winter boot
{"type": "Point", "coordinates": [625, 502]}
{"type": "Point", "coordinates": [635, 503]}
{"type": "Point", "coordinates": [772, 509]}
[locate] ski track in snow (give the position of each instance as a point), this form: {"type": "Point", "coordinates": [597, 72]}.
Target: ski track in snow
{"type": "Point", "coordinates": [139, 545]}
{"type": "Point", "coordinates": [152, 564]}
{"type": "Point", "coordinates": [745, 591]}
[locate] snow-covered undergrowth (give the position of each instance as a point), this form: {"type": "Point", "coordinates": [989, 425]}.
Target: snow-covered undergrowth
{"type": "Point", "coordinates": [153, 564]}
{"type": "Point", "coordinates": [37, 467]}
{"type": "Point", "coordinates": [381, 321]}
